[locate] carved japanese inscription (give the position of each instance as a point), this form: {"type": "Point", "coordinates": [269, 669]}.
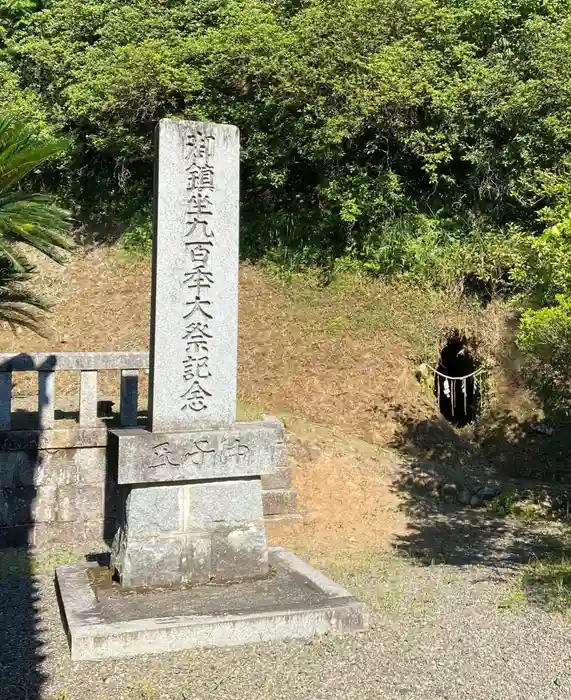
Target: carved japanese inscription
{"type": "Point", "coordinates": [198, 278]}
{"type": "Point", "coordinates": [195, 280]}
{"type": "Point", "coordinates": [231, 452]}
{"type": "Point", "coordinates": [245, 449]}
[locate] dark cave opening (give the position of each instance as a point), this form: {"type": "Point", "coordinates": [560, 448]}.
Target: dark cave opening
{"type": "Point", "coordinates": [455, 385]}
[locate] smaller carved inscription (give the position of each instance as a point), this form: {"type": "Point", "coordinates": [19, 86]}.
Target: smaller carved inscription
{"type": "Point", "coordinates": [162, 456]}
{"type": "Point", "coordinates": [202, 453]}
{"type": "Point", "coordinates": [234, 450]}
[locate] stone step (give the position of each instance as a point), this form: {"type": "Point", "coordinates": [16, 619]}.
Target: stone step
{"type": "Point", "coordinates": [279, 501]}
{"type": "Point", "coordinates": [277, 520]}
{"type": "Point", "coordinates": [279, 479]}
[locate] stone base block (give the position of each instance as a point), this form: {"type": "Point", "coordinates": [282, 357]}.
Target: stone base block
{"type": "Point", "coordinates": [239, 450]}
{"type": "Point", "coordinates": [219, 556]}
{"type": "Point", "coordinates": [105, 622]}
{"type": "Point", "coordinates": [191, 533]}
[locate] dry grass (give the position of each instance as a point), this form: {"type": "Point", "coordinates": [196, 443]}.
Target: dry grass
{"type": "Point", "coordinates": [100, 303]}
{"type": "Point", "coordinates": [345, 355]}
{"type": "Point", "coordinates": [341, 356]}
{"type": "Point", "coordinates": [340, 359]}
{"type": "Point", "coordinates": [344, 493]}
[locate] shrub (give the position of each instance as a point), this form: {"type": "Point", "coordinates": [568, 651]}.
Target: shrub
{"type": "Point", "coordinates": [138, 239]}
{"type": "Point", "coordinates": [545, 336]}
{"type": "Point", "coordinates": [357, 116]}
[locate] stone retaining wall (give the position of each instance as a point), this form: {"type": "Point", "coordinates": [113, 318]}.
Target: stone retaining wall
{"type": "Point", "coordinates": [56, 488]}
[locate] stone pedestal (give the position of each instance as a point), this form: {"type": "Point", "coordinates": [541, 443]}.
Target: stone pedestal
{"type": "Point", "coordinates": [191, 503]}
{"type": "Point", "coordinates": [105, 621]}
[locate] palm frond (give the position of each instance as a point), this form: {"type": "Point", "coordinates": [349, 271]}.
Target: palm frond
{"type": "Point", "coordinates": [15, 258]}
{"type": "Point", "coordinates": [19, 305]}
{"type": "Point", "coordinates": [37, 221]}
{"type": "Point", "coordinates": [34, 220]}
{"type": "Point", "coordinates": [21, 151]}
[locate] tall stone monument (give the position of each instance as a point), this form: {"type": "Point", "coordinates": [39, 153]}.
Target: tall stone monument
{"type": "Point", "coordinates": [191, 484]}
{"type": "Point", "coordinates": [190, 495]}
{"type": "Point", "coordinates": [194, 318]}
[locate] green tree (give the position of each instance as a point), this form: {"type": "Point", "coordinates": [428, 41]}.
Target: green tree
{"type": "Point", "coordinates": [359, 118]}
{"type": "Point", "coordinates": [26, 220]}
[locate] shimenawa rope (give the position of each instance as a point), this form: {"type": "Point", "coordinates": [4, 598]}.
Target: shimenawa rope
{"type": "Point", "coordinates": [450, 390]}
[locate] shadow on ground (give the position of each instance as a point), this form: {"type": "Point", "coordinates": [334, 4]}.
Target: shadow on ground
{"type": "Point", "coordinates": [23, 478]}
{"type": "Point", "coordinates": [499, 454]}
{"type": "Point", "coordinates": [21, 651]}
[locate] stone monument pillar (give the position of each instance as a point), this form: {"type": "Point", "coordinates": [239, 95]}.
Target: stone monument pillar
{"type": "Point", "coordinates": [190, 484]}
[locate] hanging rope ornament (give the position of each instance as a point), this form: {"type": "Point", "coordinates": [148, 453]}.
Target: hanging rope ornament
{"type": "Point", "coordinates": [449, 386]}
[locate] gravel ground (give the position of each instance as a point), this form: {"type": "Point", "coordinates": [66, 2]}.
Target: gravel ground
{"type": "Point", "coordinates": [438, 632]}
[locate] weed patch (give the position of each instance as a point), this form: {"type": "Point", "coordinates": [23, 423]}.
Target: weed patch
{"type": "Point", "coordinates": [19, 562]}
{"type": "Point", "coordinates": [547, 582]}
{"type": "Point", "coordinates": [514, 601]}
{"type": "Point", "coordinates": [373, 576]}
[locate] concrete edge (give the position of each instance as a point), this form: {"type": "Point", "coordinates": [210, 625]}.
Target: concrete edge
{"type": "Point", "coordinates": [72, 361]}
{"type": "Point", "coordinates": [236, 426]}
{"type": "Point", "coordinates": [53, 439]}
{"type": "Point", "coordinates": [80, 603]}
{"type": "Point", "coordinates": [91, 638]}
{"type": "Point", "coordinates": [90, 628]}
{"type": "Point", "coordinates": [292, 562]}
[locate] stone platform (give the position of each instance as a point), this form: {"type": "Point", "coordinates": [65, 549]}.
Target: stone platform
{"type": "Point", "coordinates": [106, 621]}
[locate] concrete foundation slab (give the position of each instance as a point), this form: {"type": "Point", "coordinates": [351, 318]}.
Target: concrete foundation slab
{"type": "Point", "coordinates": [106, 621]}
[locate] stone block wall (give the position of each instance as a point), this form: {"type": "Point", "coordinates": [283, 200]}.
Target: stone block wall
{"type": "Point", "coordinates": [57, 488]}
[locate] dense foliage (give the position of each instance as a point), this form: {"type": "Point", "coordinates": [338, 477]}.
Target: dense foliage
{"type": "Point", "coordinates": [429, 138]}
